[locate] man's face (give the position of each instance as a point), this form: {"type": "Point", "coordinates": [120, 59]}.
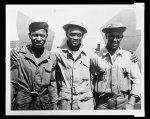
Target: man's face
{"type": "Point", "coordinates": [75, 35]}
{"type": "Point", "coordinates": [114, 39]}
{"type": "Point", "coordinates": [38, 38]}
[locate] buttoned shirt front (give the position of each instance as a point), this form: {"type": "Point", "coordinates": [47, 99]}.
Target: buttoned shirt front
{"type": "Point", "coordinates": [28, 76]}
{"type": "Point", "coordinates": [120, 75]}
{"type": "Point", "coordinates": [74, 72]}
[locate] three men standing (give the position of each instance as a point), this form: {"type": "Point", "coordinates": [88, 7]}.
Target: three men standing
{"type": "Point", "coordinates": [75, 71]}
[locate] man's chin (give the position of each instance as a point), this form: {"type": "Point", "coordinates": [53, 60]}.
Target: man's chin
{"type": "Point", "coordinates": [114, 47]}
{"type": "Point", "coordinates": [75, 44]}
{"type": "Point", "coordinates": [39, 46]}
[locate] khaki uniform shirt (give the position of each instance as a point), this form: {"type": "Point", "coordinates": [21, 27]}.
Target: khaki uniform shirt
{"type": "Point", "coordinates": [27, 77]}
{"type": "Point", "coordinates": [74, 72]}
{"type": "Point", "coordinates": [122, 75]}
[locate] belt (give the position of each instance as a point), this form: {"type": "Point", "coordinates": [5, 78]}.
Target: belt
{"type": "Point", "coordinates": [66, 93]}
{"type": "Point", "coordinates": [32, 95]}
{"type": "Point", "coordinates": [122, 93]}
{"type": "Point", "coordinates": [75, 90]}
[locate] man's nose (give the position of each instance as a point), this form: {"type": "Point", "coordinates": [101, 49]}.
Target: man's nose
{"type": "Point", "coordinates": [39, 38]}
{"type": "Point", "coordinates": [115, 39]}
{"type": "Point", "coordinates": [76, 37]}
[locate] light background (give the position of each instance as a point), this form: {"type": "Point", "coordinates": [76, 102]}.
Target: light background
{"type": "Point", "coordinates": [93, 16]}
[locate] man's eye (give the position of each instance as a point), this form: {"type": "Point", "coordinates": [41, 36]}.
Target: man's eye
{"type": "Point", "coordinates": [37, 35]}
{"type": "Point", "coordinates": [118, 36]}
{"type": "Point", "coordinates": [42, 35]}
{"type": "Point", "coordinates": [75, 34]}
{"type": "Point", "coordinates": [71, 34]}
{"type": "Point", "coordinates": [79, 34]}
{"type": "Point", "coordinates": [111, 36]}
{"type": "Point", "coordinates": [115, 36]}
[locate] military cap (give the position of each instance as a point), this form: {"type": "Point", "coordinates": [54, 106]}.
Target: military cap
{"type": "Point", "coordinates": [38, 25]}
{"type": "Point", "coordinates": [114, 26]}
{"type": "Point", "coordinates": [75, 23]}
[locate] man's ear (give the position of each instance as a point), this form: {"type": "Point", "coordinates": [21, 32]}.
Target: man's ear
{"type": "Point", "coordinates": [29, 34]}
{"type": "Point", "coordinates": [67, 33]}
{"type": "Point", "coordinates": [106, 35]}
{"type": "Point", "coordinates": [46, 35]}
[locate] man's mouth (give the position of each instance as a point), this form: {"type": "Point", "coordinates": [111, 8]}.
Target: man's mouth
{"type": "Point", "coordinates": [75, 42]}
{"type": "Point", "coordinates": [114, 43]}
{"type": "Point", "coordinates": [38, 43]}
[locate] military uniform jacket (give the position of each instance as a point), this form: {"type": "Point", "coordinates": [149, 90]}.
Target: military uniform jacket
{"type": "Point", "coordinates": [122, 75]}
{"type": "Point", "coordinates": [74, 72]}
{"type": "Point", "coordinates": [33, 85]}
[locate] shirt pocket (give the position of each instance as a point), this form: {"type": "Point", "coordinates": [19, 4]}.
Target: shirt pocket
{"type": "Point", "coordinates": [125, 82]}
{"type": "Point", "coordinates": [46, 72]}
{"type": "Point", "coordinates": [84, 69]}
{"type": "Point", "coordinates": [101, 81]}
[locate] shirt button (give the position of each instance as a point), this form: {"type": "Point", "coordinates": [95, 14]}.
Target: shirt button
{"type": "Point", "coordinates": [104, 80]}
{"type": "Point", "coordinates": [38, 78]}
{"type": "Point", "coordinates": [37, 71]}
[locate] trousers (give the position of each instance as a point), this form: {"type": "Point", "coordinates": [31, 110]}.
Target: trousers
{"type": "Point", "coordinates": [109, 101]}
{"type": "Point", "coordinates": [76, 104]}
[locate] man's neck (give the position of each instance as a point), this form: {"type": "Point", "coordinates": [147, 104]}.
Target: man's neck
{"type": "Point", "coordinates": [111, 51]}
{"type": "Point", "coordinates": [73, 48]}
{"type": "Point", "coordinates": [37, 52]}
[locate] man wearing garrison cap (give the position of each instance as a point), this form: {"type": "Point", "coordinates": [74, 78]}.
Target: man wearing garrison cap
{"type": "Point", "coordinates": [33, 85]}
{"type": "Point", "coordinates": [117, 86]}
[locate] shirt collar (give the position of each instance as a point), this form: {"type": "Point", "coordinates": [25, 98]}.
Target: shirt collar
{"type": "Point", "coordinates": [120, 51]}
{"type": "Point", "coordinates": [26, 50]}
{"type": "Point", "coordinates": [105, 51]}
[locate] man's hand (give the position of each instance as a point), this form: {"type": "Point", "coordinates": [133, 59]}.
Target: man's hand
{"type": "Point", "coordinates": [134, 57]}
{"type": "Point", "coordinates": [15, 53]}
{"type": "Point", "coordinates": [129, 106]}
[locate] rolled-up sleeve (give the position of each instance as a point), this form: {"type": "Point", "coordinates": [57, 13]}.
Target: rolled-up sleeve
{"type": "Point", "coordinates": [136, 80]}
{"type": "Point", "coordinates": [14, 85]}
{"type": "Point", "coordinates": [97, 64]}
{"type": "Point", "coordinates": [52, 88]}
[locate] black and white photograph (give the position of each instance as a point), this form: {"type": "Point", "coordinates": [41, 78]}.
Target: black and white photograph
{"type": "Point", "coordinates": [75, 59]}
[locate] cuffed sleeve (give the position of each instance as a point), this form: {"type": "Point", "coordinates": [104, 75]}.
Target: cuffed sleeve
{"type": "Point", "coordinates": [53, 90]}
{"type": "Point", "coordinates": [14, 84]}
{"type": "Point", "coordinates": [136, 81]}
{"type": "Point", "coordinates": [97, 64]}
